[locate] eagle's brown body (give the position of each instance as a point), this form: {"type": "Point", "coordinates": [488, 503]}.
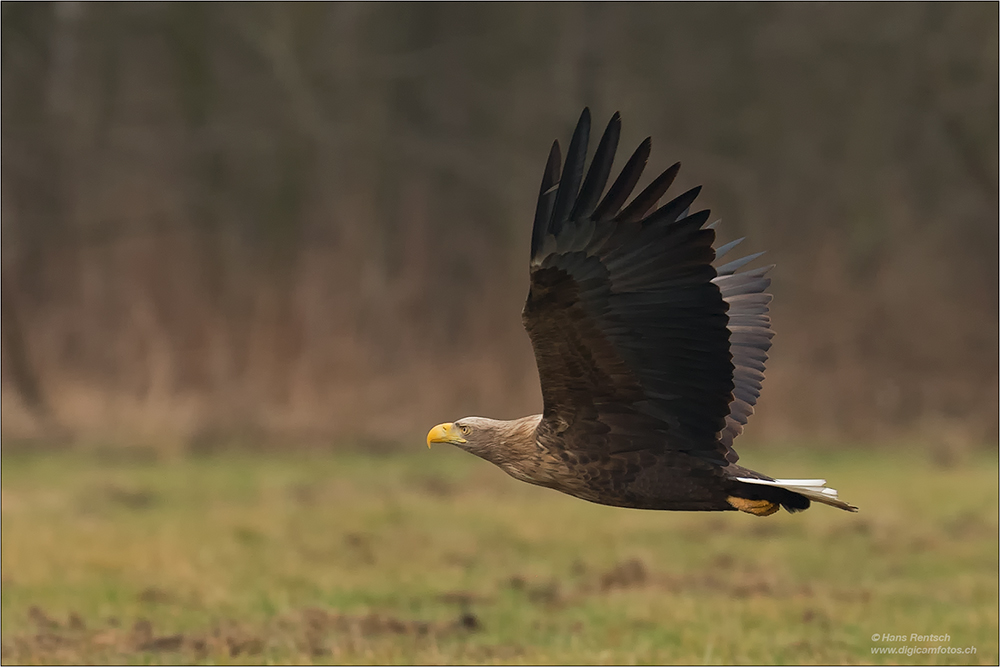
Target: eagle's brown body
{"type": "Point", "coordinates": [640, 479]}
{"type": "Point", "coordinates": [650, 358]}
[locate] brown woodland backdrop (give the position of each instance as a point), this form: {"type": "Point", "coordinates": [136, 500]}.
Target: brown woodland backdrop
{"type": "Point", "coordinates": [310, 221]}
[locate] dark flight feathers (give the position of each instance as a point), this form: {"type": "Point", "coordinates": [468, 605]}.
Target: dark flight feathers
{"type": "Point", "coordinates": [642, 344]}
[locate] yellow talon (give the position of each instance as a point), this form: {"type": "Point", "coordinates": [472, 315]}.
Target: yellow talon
{"type": "Point", "coordinates": [755, 507]}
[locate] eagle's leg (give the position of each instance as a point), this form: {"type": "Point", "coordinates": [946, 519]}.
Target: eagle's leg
{"type": "Point", "coordinates": [756, 507]}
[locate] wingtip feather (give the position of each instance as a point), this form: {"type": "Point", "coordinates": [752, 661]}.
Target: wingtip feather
{"type": "Point", "coordinates": [546, 198]}
{"type": "Point", "coordinates": [572, 175]}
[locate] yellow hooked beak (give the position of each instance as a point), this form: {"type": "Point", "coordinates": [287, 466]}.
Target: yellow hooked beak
{"type": "Point", "coordinates": [448, 433]}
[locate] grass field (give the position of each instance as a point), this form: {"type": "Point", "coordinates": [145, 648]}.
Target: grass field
{"type": "Point", "coordinates": [436, 557]}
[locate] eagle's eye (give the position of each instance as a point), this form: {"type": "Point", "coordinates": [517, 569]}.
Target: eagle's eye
{"type": "Point", "coordinates": [466, 430]}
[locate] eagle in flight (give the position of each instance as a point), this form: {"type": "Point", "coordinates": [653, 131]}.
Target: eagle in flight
{"type": "Point", "coordinates": [650, 354]}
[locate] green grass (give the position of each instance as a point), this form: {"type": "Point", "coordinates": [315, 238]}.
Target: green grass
{"type": "Point", "coordinates": [437, 557]}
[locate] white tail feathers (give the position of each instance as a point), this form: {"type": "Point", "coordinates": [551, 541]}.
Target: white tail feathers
{"type": "Point", "coordinates": [813, 489]}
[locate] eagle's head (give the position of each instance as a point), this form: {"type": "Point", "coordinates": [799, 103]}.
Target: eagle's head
{"type": "Point", "coordinates": [473, 434]}
{"type": "Point", "coordinates": [501, 442]}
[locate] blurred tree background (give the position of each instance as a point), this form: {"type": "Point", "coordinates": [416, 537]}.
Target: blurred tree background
{"type": "Point", "coordinates": [312, 220]}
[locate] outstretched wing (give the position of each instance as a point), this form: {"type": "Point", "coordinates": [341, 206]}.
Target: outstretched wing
{"type": "Point", "coordinates": [628, 317]}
